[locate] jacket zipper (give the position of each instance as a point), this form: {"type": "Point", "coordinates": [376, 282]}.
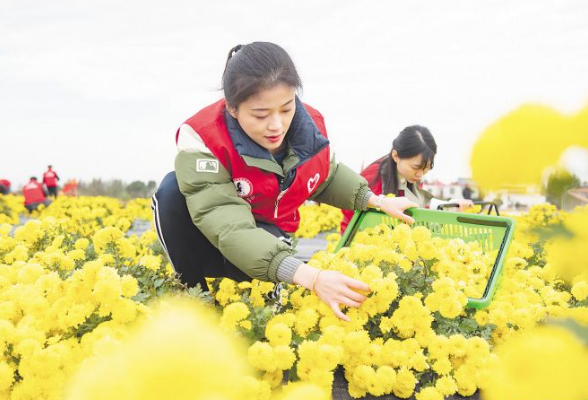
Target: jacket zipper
{"type": "Point", "coordinates": [282, 193]}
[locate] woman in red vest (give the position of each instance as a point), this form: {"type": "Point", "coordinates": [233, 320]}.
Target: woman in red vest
{"type": "Point", "coordinates": [34, 195]}
{"type": "Point", "coordinates": [400, 172]}
{"type": "Point", "coordinates": [50, 179]}
{"type": "Point", "coordinates": [245, 164]}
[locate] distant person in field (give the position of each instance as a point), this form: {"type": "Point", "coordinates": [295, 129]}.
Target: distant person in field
{"type": "Point", "coordinates": [4, 186]}
{"type": "Point", "coordinates": [34, 195]}
{"type": "Point", "coordinates": [50, 180]}
{"type": "Point", "coordinates": [70, 188]}
{"type": "Point", "coordinates": [400, 171]}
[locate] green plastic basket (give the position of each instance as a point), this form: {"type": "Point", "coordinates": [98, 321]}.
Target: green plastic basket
{"type": "Point", "coordinates": [491, 232]}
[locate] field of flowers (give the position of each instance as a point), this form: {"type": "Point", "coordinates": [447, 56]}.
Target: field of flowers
{"type": "Point", "coordinates": [90, 312]}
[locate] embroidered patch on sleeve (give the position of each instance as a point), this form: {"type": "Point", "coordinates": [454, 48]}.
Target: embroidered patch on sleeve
{"type": "Point", "coordinates": [207, 165]}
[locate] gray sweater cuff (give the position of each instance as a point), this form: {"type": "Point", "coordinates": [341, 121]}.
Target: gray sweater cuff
{"type": "Point", "coordinates": [364, 203]}
{"type": "Point", "coordinates": [287, 269]}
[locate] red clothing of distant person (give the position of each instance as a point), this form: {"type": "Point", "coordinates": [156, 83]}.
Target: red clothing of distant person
{"type": "Point", "coordinates": [4, 186]}
{"type": "Point", "coordinates": [33, 192]}
{"type": "Point", "coordinates": [70, 188]}
{"type": "Point", "coordinates": [50, 178]}
{"type": "Point", "coordinates": [369, 174]}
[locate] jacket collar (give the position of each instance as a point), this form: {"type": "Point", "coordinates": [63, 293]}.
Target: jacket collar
{"type": "Point", "coordinates": [303, 137]}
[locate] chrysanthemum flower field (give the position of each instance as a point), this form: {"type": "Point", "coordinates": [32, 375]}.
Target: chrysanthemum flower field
{"type": "Point", "coordinates": [89, 311]}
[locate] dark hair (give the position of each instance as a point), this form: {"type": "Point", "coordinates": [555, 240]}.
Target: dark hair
{"type": "Point", "coordinates": [33, 178]}
{"type": "Point", "coordinates": [412, 141]}
{"type": "Point", "coordinates": [254, 67]}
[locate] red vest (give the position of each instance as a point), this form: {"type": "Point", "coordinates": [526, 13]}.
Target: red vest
{"type": "Point", "coordinates": [33, 193]}
{"type": "Point", "coordinates": [50, 179]}
{"type": "Point", "coordinates": [376, 187]}
{"type": "Point", "coordinates": [261, 188]}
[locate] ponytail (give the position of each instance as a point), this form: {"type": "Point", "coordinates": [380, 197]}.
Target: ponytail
{"type": "Point", "coordinates": [389, 168]}
{"type": "Point", "coordinates": [232, 52]}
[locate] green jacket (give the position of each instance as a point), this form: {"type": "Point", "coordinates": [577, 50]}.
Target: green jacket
{"type": "Point", "coordinates": [226, 219]}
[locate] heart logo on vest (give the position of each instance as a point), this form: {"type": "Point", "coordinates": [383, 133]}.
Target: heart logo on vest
{"type": "Point", "coordinates": [312, 182]}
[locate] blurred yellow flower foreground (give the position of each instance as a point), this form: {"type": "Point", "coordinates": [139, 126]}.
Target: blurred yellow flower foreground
{"type": "Point", "coordinates": [516, 149]}
{"type": "Point", "coordinates": [547, 362]}
{"type": "Point", "coordinates": [179, 352]}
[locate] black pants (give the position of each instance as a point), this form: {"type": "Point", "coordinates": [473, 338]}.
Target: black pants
{"type": "Point", "coordinates": [33, 206]}
{"type": "Point", "coordinates": [190, 253]}
{"type": "Point", "coordinates": [52, 190]}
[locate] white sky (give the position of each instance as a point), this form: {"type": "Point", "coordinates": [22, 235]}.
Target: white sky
{"type": "Point", "coordinates": [98, 88]}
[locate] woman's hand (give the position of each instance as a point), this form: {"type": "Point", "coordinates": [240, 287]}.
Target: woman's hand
{"type": "Point", "coordinates": [464, 204]}
{"type": "Point", "coordinates": [332, 287]}
{"type": "Point", "coordinates": [393, 206]}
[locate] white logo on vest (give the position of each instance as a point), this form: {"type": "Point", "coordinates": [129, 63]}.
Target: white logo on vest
{"type": "Point", "coordinates": [207, 165]}
{"type": "Point", "coordinates": [312, 182]}
{"type": "Point", "coordinates": [244, 187]}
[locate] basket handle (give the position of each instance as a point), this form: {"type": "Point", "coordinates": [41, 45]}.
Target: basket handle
{"type": "Point", "coordinates": [476, 203]}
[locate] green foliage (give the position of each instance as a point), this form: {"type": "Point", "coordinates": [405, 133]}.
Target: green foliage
{"type": "Point", "coordinates": [203, 296]}
{"type": "Point", "coordinates": [558, 183]}
{"type": "Point", "coordinates": [88, 326]}
{"type": "Point", "coordinates": [152, 284]}
{"type": "Point", "coordinates": [116, 188]}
